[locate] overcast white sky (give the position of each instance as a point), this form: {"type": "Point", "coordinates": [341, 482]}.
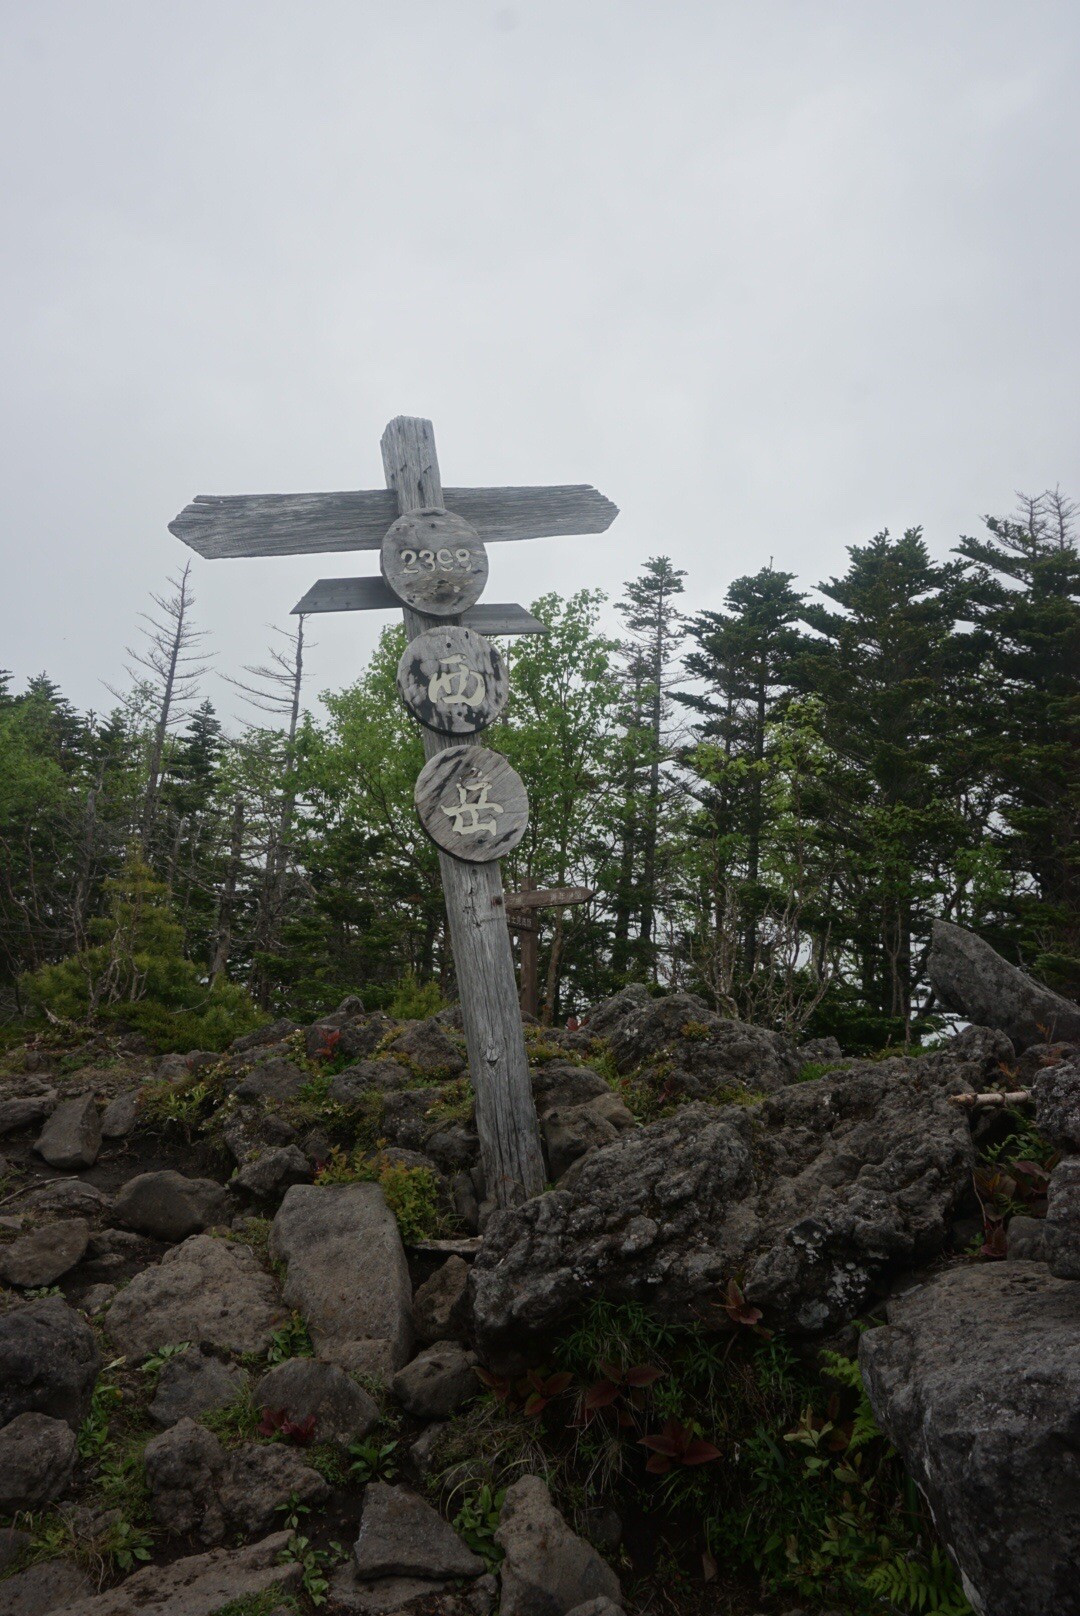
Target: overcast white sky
{"type": "Point", "coordinates": [772, 274]}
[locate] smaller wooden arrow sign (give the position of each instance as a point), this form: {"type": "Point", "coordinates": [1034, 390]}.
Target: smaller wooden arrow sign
{"type": "Point", "coordinates": [552, 898]}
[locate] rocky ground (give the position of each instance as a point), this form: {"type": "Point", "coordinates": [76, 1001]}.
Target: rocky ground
{"type": "Point", "coordinates": [265, 1346]}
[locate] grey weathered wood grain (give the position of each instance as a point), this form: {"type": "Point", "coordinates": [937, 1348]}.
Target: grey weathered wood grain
{"type": "Point", "coordinates": [435, 562]}
{"type": "Point", "coordinates": [510, 1149]}
{"type": "Point", "coordinates": [472, 803]}
{"type": "Point", "coordinates": [374, 594]}
{"type": "Point", "coordinates": [219, 525]}
{"type": "Point", "coordinates": [547, 898]}
{"type": "Point", "coordinates": [453, 680]}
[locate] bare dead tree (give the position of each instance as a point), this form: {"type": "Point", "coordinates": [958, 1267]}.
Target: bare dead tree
{"type": "Point", "coordinates": [276, 690]}
{"type": "Point", "coordinates": [176, 666]}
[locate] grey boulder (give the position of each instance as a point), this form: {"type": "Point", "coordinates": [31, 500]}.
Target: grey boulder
{"type": "Point", "coordinates": [24, 1112]}
{"type": "Point", "coordinates": [305, 1388]}
{"type": "Point", "coordinates": [678, 1042]}
{"type": "Point", "coordinates": [51, 1585]}
{"type": "Point", "coordinates": [37, 1454]}
{"type": "Point", "coordinates": [976, 1380]}
{"type": "Point", "coordinates": [437, 1382]}
{"type": "Point", "coordinates": [815, 1196]}
{"type": "Point", "coordinates": [403, 1536]}
{"type": "Point", "coordinates": [168, 1206]}
{"type": "Point", "coordinates": [192, 1384]}
{"type": "Point", "coordinates": [346, 1273]}
{"type": "Point", "coordinates": [200, 1584]}
{"type": "Point", "coordinates": [120, 1115]}
{"type": "Point", "coordinates": [971, 978]}
{"type": "Point", "coordinates": [48, 1361]}
{"type": "Point", "coordinates": [274, 1079]}
{"type": "Point", "coordinates": [204, 1290]}
{"type": "Point", "coordinates": [184, 1467]}
{"type": "Point", "coordinates": [71, 1138]}
{"type": "Point", "coordinates": [1061, 1239]}
{"type": "Point", "coordinates": [43, 1255]}
{"type": "Point", "coordinates": [1057, 1104]}
{"type": "Point", "coordinates": [272, 1172]}
{"type": "Point", "coordinates": [547, 1570]}
{"type": "Point", "coordinates": [260, 1477]}
{"type": "Point", "coordinates": [440, 1306]}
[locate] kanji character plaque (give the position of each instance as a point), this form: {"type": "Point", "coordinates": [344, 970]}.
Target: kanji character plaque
{"type": "Point", "coordinates": [453, 680]}
{"type": "Point", "coordinates": [472, 803]}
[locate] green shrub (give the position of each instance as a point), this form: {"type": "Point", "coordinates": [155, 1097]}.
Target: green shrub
{"type": "Point", "coordinates": [135, 975]}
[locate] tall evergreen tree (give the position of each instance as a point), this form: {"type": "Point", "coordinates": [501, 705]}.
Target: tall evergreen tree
{"type": "Point", "coordinates": [655, 633]}
{"type": "Point", "coordinates": [1028, 604]}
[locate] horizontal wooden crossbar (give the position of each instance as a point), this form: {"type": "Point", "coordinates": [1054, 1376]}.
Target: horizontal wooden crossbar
{"type": "Point", "coordinates": [222, 525]}
{"type": "Point", "coordinates": [372, 595]}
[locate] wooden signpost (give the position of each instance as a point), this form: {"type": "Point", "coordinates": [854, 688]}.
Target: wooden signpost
{"type": "Point", "coordinates": [472, 804]}
{"type": "Point", "coordinates": [522, 917]}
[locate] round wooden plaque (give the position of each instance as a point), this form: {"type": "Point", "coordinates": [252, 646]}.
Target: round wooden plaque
{"type": "Point", "coordinates": [472, 803]}
{"type": "Point", "coordinates": [435, 562]}
{"type": "Point", "coordinates": [453, 680]}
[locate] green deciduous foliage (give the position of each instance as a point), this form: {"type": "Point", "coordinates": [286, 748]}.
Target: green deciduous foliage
{"type": "Point", "coordinates": [770, 803]}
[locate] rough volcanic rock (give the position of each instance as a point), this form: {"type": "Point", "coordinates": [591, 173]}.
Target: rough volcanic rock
{"type": "Point", "coordinates": [169, 1206]}
{"type": "Point", "coordinates": [273, 1172]}
{"type": "Point", "coordinates": [120, 1115]}
{"type": "Point", "coordinates": [559, 1083]}
{"type": "Point", "coordinates": [193, 1383]}
{"type": "Point", "coordinates": [976, 1380]}
{"type": "Point", "coordinates": [356, 1083]}
{"type": "Point", "coordinates": [48, 1361]}
{"type": "Point", "coordinates": [388, 1596]}
{"type": "Point", "coordinates": [67, 1197]}
{"type": "Point", "coordinates": [250, 1131]}
{"type": "Point", "coordinates": [405, 1117]}
{"type": "Point", "coordinates": [1061, 1240]}
{"type": "Point", "coordinates": [688, 1049]}
{"type": "Point", "coordinates": [259, 1477]}
{"type": "Point", "coordinates": [71, 1138]}
{"type": "Point", "coordinates": [184, 1467]}
{"type": "Point", "coordinates": [814, 1195]}
{"type": "Point", "coordinates": [40, 1257]}
{"type": "Point", "coordinates": [304, 1387]}
{"type": "Point", "coordinates": [440, 1307]}
{"type": "Point", "coordinates": [428, 1050]}
{"type": "Point", "coordinates": [346, 1274]}
{"type": "Point", "coordinates": [204, 1290]}
{"type": "Point", "coordinates": [25, 1112]}
{"type": "Point", "coordinates": [273, 1033]}
{"type": "Point", "coordinates": [200, 1584]}
{"type": "Point", "coordinates": [12, 1543]}
{"type": "Point", "coordinates": [401, 1535]}
{"type": "Point", "coordinates": [37, 1454]}
{"type": "Point", "coordinates": [569, 1132]}
{"type": "Point", "coordinates": [548, 1570]}
{"type": "Point", "coordinates": [1057, 1104]}
{"type": "Point", "coordinates": [971, 978]}
{"type": "Point", "coordinates": [1026, 1238]}
{"type": "Point", "coordinates": [437, 1382]}
{"type": "Point", "coordinates": [51, 1585]}
{"type": "Point", "coordinates": [274, 1079]}
{"type": "Point", "coordinates": [345, 1035]}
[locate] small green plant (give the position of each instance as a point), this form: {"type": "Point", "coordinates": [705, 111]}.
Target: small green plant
{"type": "Point", "coordinates": [269, 1603]}
{"type": "Point", "coordinates": [478, 1520]}
{"type": "Point", "coordinates": [373, 1461]}
{"type": "Point", "coordinates": [157, 1361]}
{"type": "Point", "coordinates": [300, 1551]}
{"type": "Point", "coordinates": [236, 1422]}
{"type": "Point", "coordinates": [93, 1436]}
{"type": "Point", "coordinates": [415, 1001]}
{"type": "Point", "coordinates": [412, 1193]}
{"type": "Point", "coordinates": [291, 1340]}
{"type": "Point", "coordinates": [126, 1544]}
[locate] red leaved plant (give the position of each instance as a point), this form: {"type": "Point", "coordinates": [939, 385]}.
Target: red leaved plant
{"type": "Point", "coordinates": [677, 1444]}
{"type": "Point", "coordinates": [328, 1048]}
{"type": "Point", "coordinates": [276, 1422]}
{"type": "Point", "coordinates": [531, 1393]}
{"type": "Point", "coordinates": [622, 1386]}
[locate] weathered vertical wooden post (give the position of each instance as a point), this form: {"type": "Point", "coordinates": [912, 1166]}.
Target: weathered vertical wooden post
{"type": "Point", "coordinates": [470, 801]}
{"type": "Point", "coordinates": [505, 1113]}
